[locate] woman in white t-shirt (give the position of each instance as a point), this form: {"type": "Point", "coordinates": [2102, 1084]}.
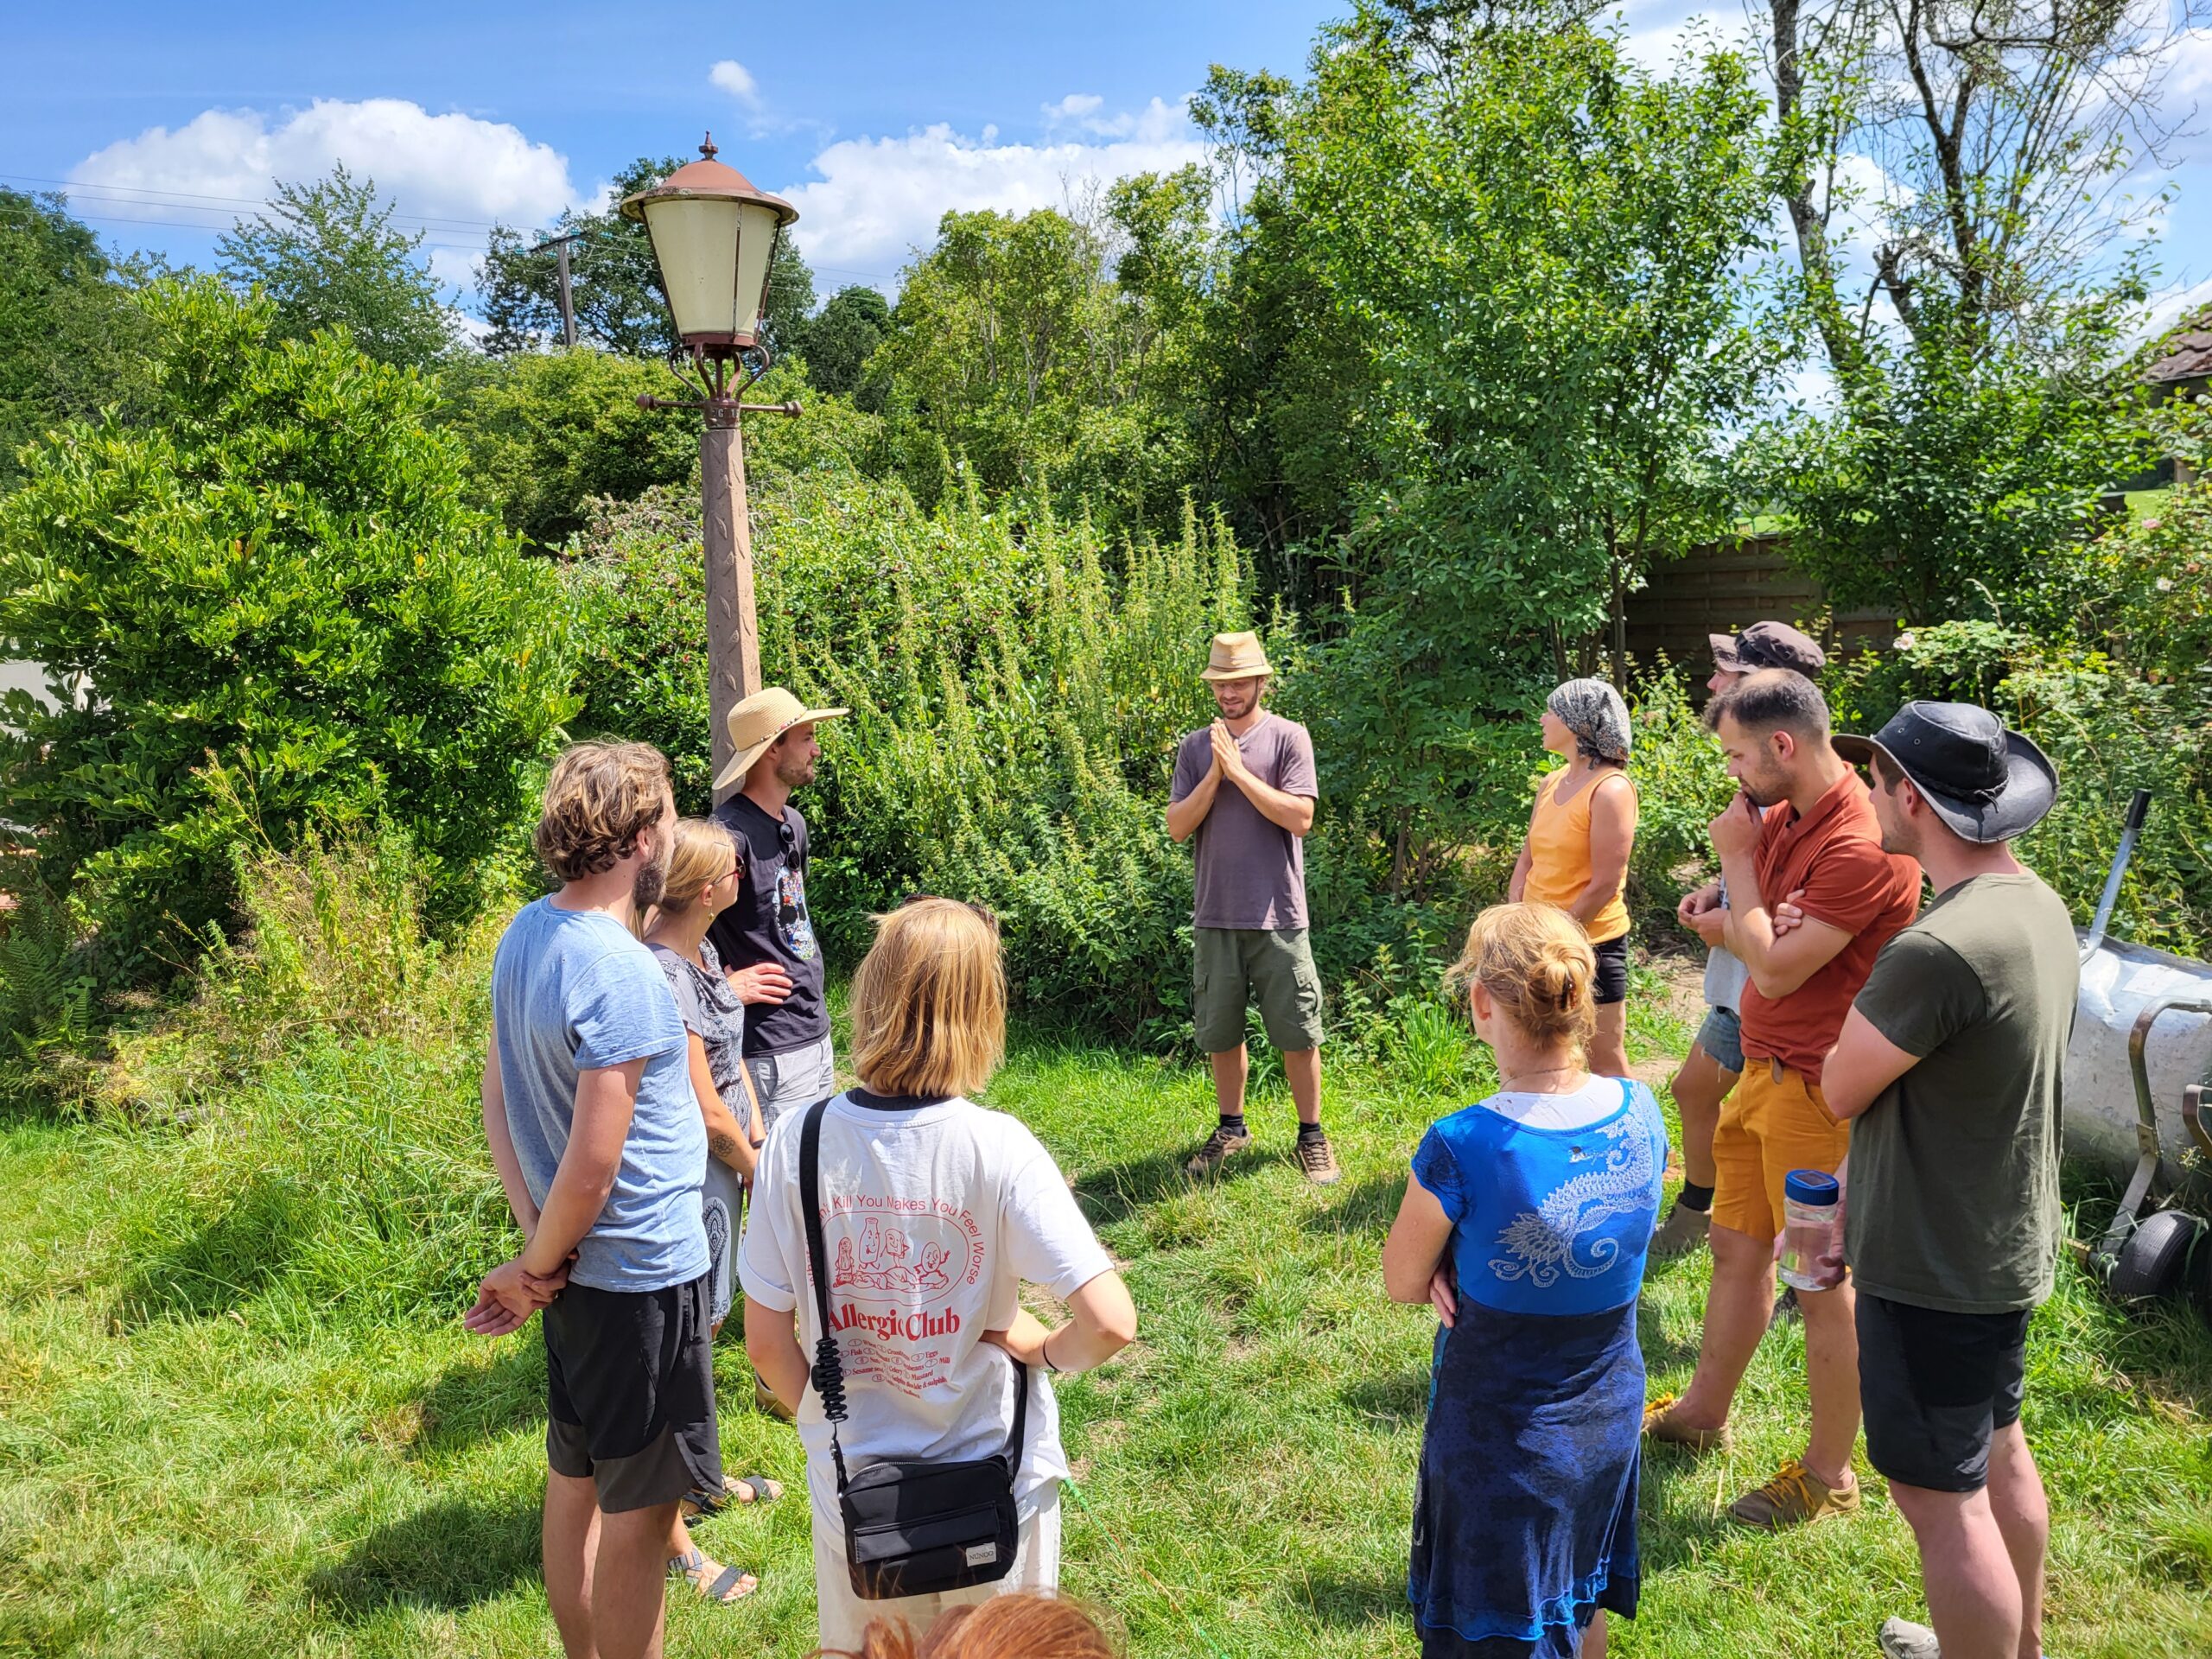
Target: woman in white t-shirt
{"type": "Point", "coordinates": [934, 1210]}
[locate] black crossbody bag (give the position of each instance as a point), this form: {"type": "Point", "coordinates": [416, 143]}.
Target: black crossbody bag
{"type": "Point", "coordinates": [912, 1527]}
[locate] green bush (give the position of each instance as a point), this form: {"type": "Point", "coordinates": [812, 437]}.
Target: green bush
{"type": "Point", "coordinates": [2109, 727]}
{"type": "Point", "coordinates": [266, 611]}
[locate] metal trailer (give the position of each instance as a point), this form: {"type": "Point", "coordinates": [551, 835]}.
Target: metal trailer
{"type": "Point", "coordinates": [2137, 1101]}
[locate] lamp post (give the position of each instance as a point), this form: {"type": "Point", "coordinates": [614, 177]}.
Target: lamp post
{"type": "Point", "coordinates": [714, 237]}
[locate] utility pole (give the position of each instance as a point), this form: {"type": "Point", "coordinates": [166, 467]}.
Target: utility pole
{"type": "Point", "coordinates": [560, 246]}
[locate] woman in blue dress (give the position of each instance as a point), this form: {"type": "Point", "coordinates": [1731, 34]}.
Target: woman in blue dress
{"type": "Point", "coordinates": [1526, 1221]}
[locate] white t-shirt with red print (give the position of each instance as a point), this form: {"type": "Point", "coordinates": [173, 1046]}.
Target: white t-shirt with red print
{"type": "Point", "coordinates": [932, 1214]}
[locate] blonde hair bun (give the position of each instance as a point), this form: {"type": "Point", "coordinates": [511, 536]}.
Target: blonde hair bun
{"type": "Point", "coordinates": [1536, 963]}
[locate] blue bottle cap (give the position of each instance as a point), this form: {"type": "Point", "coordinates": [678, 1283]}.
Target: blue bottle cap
{"type": "Point", "coordinates": [1810, 1187]}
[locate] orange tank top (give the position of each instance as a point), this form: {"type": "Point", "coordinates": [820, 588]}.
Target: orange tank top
{"type": "Point", "coordinates": [1559, 856]}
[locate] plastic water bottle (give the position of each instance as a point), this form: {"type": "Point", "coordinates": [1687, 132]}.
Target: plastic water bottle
{"type": "Point", "coordinates": [1810, 1213]}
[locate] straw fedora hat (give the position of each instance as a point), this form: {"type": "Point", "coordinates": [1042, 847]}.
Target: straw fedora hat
{"type": "Point", "coordinates": [1236, 657]}
{"type": "Point", "coordinates": [760, 721]}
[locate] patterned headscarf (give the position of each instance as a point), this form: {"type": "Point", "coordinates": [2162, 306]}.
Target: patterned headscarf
{"type": "Point", "coordinates": [1593, 711]}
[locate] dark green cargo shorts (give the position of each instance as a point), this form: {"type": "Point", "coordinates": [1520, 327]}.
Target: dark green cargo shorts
{"type": "Point", "coordinates": [1238, 966]}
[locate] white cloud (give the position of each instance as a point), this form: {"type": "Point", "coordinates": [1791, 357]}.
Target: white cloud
{"type": "Point", "coordinates": [876, 199]}
{"type": "Point", "coordinates": [734, 78]}
{"type": "Point", "coordinates": [1073, 107]}
{"type": "Point", "coordinates": [452, 175]}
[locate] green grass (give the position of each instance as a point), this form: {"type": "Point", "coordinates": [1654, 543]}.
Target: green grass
{"type": "Point", "coordinates": [239, 1416]}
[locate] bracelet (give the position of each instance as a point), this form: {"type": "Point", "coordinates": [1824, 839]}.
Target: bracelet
{"type": "Point", "coordinates": [1045, 1353]}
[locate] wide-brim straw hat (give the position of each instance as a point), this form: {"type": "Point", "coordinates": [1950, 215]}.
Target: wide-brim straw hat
{"type": "Point", "coordinates": [760, 721]}
{"type": "Point", "coordinates": [1236, 656]}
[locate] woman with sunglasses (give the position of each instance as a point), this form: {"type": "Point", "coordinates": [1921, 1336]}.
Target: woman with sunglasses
{"type": "Point", "coordinates": [704, 881]}
{"type": "Point", "coordinates": [934, 1211]}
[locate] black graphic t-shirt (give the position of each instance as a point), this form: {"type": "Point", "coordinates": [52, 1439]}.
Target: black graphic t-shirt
{"type": "Point", "coordinates": [770, 923]}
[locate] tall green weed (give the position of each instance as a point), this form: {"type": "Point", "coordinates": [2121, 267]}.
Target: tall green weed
{"type": "Point", "coordinates": [315, 1099]}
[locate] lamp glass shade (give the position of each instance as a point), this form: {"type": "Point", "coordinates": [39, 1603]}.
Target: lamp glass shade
{"type": "Point", "coordinates": [714, 254]}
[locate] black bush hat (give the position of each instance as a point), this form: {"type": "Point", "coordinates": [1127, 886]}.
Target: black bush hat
{"type": "Point", "coordinates": [1989, 785]}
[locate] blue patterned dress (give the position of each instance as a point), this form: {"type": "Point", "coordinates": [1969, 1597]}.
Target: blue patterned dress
{"type": "Point", "coordinates": [1524, 1519]}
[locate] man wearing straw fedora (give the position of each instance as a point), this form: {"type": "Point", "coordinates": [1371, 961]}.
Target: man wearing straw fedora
{"type": "Point", "coordinates": [1244, 787]}
{"type": "Point", "coordinates": [767, 939]}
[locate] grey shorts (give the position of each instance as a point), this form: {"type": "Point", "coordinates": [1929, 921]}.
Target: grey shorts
{"type": "Point", "coordinates": [1722, 1037]}
{"type": "Point", "coordinates": [1238, 966]}
{"type": "Point", "coordinates": [796, 1077]}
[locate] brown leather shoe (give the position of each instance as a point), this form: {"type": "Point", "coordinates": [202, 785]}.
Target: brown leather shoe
{"type": "Point", "coordinates": [1795, 1497]}
{"type": "Point", "coordinates": [1682, 1231]}
{"type": "Point", "coordinates": [1215, 1152]}
{"type": "Point", "coordinates": [1318, 1159]}
{"type": "Point", "coordinates": [1658, 1426]}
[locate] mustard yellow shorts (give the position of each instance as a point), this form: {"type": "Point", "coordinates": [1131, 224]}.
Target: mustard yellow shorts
{"type": "Point", "coordinates": [1774, 1121]}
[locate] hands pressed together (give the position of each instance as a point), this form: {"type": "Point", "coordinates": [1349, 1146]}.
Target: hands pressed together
{"type": "Point", "coordinates": [510, 1294]}
{"type": "Point", "coordinates": [1228, 758]}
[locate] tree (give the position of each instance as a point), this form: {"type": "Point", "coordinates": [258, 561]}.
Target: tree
{"type": "Point", "coordinates": [614, 286]}
{"type": "Point", "coordinates": [266, 610]}
{"type": "Point", "coordinates": [69, 343]}
{"type": "Point", "coordinates": [328, 256]}
{"type": "Point", "coordinates": [1541, 249]}
{"type": "Point", "coordinates": [1012, 347]}
{"type": "Point", "coordinates": [546, 432]}
{"type": "Point", "coordinates": [1969, 294]}
{"type": "Point", "coordinates": [839, 340]}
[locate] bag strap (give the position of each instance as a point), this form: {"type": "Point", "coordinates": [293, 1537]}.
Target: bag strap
{"type": "Point", "coordinates": [828, 1373]}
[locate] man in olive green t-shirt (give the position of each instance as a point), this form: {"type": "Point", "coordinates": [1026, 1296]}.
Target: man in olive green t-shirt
{"type": "Point", "coordinates": [1951, 1061]}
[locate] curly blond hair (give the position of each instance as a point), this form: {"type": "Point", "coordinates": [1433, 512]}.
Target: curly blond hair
{"type": "Point", "coordinates": [600, 799]}
{"type": "Point", "coordinates": [1536, 962]}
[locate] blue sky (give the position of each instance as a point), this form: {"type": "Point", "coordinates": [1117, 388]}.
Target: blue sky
{"type": "Point", "coordinates": [875, 119]}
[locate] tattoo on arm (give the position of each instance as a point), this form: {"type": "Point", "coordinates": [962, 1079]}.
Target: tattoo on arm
{"type": "Point", "coordinates": [724, 1147]}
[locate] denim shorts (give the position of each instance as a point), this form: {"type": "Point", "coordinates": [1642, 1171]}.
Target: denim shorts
{"type": "Point", "coordinates": [1722, 1037]}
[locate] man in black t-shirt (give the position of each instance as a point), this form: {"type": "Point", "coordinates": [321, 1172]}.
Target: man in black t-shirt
{"type": "Point", "coordinates": [767, 939]}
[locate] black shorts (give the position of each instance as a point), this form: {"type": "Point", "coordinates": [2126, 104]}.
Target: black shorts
{"type": "Point", "coordinates": [630, 1393]}
{"type": "Point", "coordinates": [1936, 1387]}
{"type": "Point", "coordinates": [1612, 983]}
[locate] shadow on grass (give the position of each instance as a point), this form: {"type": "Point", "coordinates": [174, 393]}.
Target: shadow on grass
{"type": "Point", "coordinates": [207, 1268]}
{"type": "Point", "coordinates": [1348, 1603]}
{"type": "Point", "coordinates": [1367, 1205]}
{"type": "Point", "coordinates": [473, 1403]}
{"type": "Point", "coordinates": [449, 1556]}
{"type": "Point", "coordinates": [1670, 1535]}
{"type": "Point", "coordinates": [1119, 1191]}
{"type": "Point", "coordinates": [1400, 1400]}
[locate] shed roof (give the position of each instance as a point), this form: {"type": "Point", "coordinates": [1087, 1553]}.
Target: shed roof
{"type": "Point", "coordinates": [2188, 356]}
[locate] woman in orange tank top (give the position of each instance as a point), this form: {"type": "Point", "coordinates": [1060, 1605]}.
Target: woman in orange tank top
{"type": "Point", "coordinates": [1581, 832]}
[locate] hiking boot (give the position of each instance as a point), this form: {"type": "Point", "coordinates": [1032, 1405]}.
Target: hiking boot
{"type": "Point", "coordinates": [1318, 1159]}
{"type": "Point", "coordinates": [1795, 1497]}
{"type": "Point", "coordinates": [1657, 1426]}
{"type": "Point", "coordinates": [1785, 1309]}
{"type": "Point", "coordinates": [1212, 1155]}
{"type": "Point", "coordinates": [1903, 1639]}
{"type": "Point", "coordinates": [1682, 1231]}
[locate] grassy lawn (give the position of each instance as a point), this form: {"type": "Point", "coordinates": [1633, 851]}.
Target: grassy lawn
{"type": "Point", "coordinates": [251, 1471]}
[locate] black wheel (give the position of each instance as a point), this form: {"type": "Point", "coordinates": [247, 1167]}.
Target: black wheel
{"type": "Point", "coordinates": [2196, 1278]}
{"type": "Point", "coordinates": [2150, 1263]}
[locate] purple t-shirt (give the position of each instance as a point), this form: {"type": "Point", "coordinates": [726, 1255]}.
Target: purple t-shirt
{"type": "Point", "coordinates": [1251, 874]}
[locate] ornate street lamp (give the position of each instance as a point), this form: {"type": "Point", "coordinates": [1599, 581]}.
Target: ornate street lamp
{"type": "Point", "coordinates": [714, 237]}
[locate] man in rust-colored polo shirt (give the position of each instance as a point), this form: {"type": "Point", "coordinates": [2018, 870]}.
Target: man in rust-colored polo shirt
{"type": "Point", "coordinates": [1819, 848]}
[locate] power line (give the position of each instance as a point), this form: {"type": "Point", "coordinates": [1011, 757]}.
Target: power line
{"type": "Point", "coordinates": [183, 201]}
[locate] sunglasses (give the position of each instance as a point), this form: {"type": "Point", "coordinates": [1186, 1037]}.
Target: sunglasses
{"type": "Point", "coordinates": [982, 913]}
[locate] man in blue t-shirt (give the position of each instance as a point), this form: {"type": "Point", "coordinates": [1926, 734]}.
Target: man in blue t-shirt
{"type": "Point", "coordinates": [600, 1144]}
